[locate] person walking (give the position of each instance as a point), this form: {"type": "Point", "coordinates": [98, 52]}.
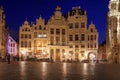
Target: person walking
{"type": "Point", "coordinates": [8, 58]}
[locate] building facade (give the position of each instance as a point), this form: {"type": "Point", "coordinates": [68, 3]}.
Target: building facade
{"type": "Point", "coordinates": [113, 32]}
{"type": "Point", "coordinates": [3, 34]}
{"type": "Point", "coordinates": [63, 38]}
{"type": "Point", "coordinates": [12, 46]}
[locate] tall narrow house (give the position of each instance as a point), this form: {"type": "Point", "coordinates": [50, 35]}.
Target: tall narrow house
{"type": "Point", "coordinates": [113, 32]}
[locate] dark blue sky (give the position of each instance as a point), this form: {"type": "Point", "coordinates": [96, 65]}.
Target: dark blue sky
{"type": "Point", "coordinates": [17, 11]}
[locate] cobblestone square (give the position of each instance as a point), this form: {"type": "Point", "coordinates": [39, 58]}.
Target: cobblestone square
{"type": "Point", "coordinates": [58, 71]}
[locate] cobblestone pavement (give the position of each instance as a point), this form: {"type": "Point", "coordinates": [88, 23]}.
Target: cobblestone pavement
{"type": "Point", "coordinates": [58, 71]}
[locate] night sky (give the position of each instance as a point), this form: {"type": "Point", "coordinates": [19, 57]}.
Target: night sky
{"type": "Point", "coordinates": [17, 11]}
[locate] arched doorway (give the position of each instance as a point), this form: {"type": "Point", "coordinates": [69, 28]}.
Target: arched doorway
{"type": "Point", "coordinates": [92, 57]}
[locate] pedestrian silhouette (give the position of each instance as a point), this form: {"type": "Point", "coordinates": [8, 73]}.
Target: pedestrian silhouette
{"type": "Point", "coordinates": [8, 58]}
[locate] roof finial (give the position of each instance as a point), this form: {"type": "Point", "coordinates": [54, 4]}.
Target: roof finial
{"type": "Point", "coordinates": [58, 8]}
{"type": "Point", "coordinates": [26, 22]}
{"type": "Point", "coordinates": [40, 17]}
